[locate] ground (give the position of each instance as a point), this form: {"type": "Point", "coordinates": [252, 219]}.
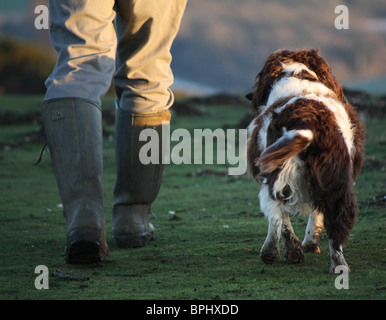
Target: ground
{"type": "Point", "coordinates": [209, 229]}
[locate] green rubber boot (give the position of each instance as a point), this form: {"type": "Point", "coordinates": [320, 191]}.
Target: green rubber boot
{"type": "Point", "coordinates": [137, 184]}
{"type": "Point", "coordinates": [74, 134]}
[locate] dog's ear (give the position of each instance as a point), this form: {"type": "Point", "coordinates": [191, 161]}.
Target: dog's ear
{"type": "Point", "coordinates": [249, 96]}
{"type": "Point", "coordinates": [271, 72]}
{"type": "Point", "coordinates": [316, 63]}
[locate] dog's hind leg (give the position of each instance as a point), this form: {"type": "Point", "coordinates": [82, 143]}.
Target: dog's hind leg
{"type": "Point", "coordinates": [339, 219]}
{"type": "Point", "coordinates": [314, 231]}
{"type": "Point", "coordinates": [270, 250]}
{"type": "Point", "coordinates": [337, 258]}
{"type": "Point", "coordinates": [292, 248]}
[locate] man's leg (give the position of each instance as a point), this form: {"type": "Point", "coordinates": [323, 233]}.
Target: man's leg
{"type": "Point", "coordinates": [83, 34]}
{"type": "Point", "coordinates": [145, 30]}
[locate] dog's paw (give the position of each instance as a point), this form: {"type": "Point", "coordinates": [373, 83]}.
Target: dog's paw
{"type": "Point", "coordinates": [270, 255]}
{"type": "Point", "coordinates": [311, 247]}
{"type": "Point", "coordinates": [294, 255]}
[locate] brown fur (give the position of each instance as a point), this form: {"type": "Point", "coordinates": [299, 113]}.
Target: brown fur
{"type": "Point", "coordinates": [272, 71]}
{"type": "Point", "coordinates": [282, 150]}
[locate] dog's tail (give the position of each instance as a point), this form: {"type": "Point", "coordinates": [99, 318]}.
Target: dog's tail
{"type": "Point", "coordinates": [290, 144]}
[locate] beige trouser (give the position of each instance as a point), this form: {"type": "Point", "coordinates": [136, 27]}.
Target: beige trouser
{"type": "Point", "coordinates": [95, 38]}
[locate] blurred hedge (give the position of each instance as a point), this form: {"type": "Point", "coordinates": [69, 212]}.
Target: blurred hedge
{"type": "Point", "coordinates": [24, 67]}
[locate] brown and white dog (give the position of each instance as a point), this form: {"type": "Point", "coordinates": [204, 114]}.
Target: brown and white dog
{"type": "Point", "coordinates": [305, 147]}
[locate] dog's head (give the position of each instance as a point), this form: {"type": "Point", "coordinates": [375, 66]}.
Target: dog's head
{"type": "Point", "coordinates": [303, 64]}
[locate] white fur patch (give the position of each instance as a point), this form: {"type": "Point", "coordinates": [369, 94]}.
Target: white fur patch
{"type": "Point", "coordinates": [289, 176]}
{"type": "Point", "coordinates": [290, 86]}
{"type": "Point", "coordinates": [296, 68]}
{"type": "Point", "coordinates": [341, 116]}
{"type": "Point", "coordinates": [312, 90]}
{"type": "Point", "coordinates": [297, 202]}
{"type": "Point", "coordinates": [269, 206]}
{"type": "Point", "coordinates": [314, 229]}
{"type": "Point", "coordinates": [263, 130]}
{"type": "Point", "coordinates": [306, 134]}
{"type": "Point", "coordinates": [292, 176]}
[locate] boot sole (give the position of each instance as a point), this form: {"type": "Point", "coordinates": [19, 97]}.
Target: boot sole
{"type": "Point", "coordinates": [83, 247]}
{"type": "Point", "coordinates": [133, 241]}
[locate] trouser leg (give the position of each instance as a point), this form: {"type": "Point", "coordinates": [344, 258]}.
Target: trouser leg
{"type": "Point", "coordinates": [83, 34]}
{"type": "Point", "coordinates": [145, 31]}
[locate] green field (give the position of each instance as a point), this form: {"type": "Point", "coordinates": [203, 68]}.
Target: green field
{"type": "Point", "coordinates": [209, 229]}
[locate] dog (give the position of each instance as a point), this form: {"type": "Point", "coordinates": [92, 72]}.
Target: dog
{"type": "Point", "coordinates": [305, 148]}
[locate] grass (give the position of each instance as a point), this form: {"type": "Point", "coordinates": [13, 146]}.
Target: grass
{"type": "Point", "coordinates": [208, 229]}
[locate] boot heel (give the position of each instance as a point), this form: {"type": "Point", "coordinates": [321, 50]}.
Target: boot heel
{"type": "Point", "coordinates": [83, 246]}
{"type": "Point", "coordinates": [134, 241]}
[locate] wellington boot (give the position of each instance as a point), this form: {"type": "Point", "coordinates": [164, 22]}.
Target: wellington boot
{"type": "Point", "coordinates": [73, 128]}
{"type": "Point", "coordinates": [137, 184]}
